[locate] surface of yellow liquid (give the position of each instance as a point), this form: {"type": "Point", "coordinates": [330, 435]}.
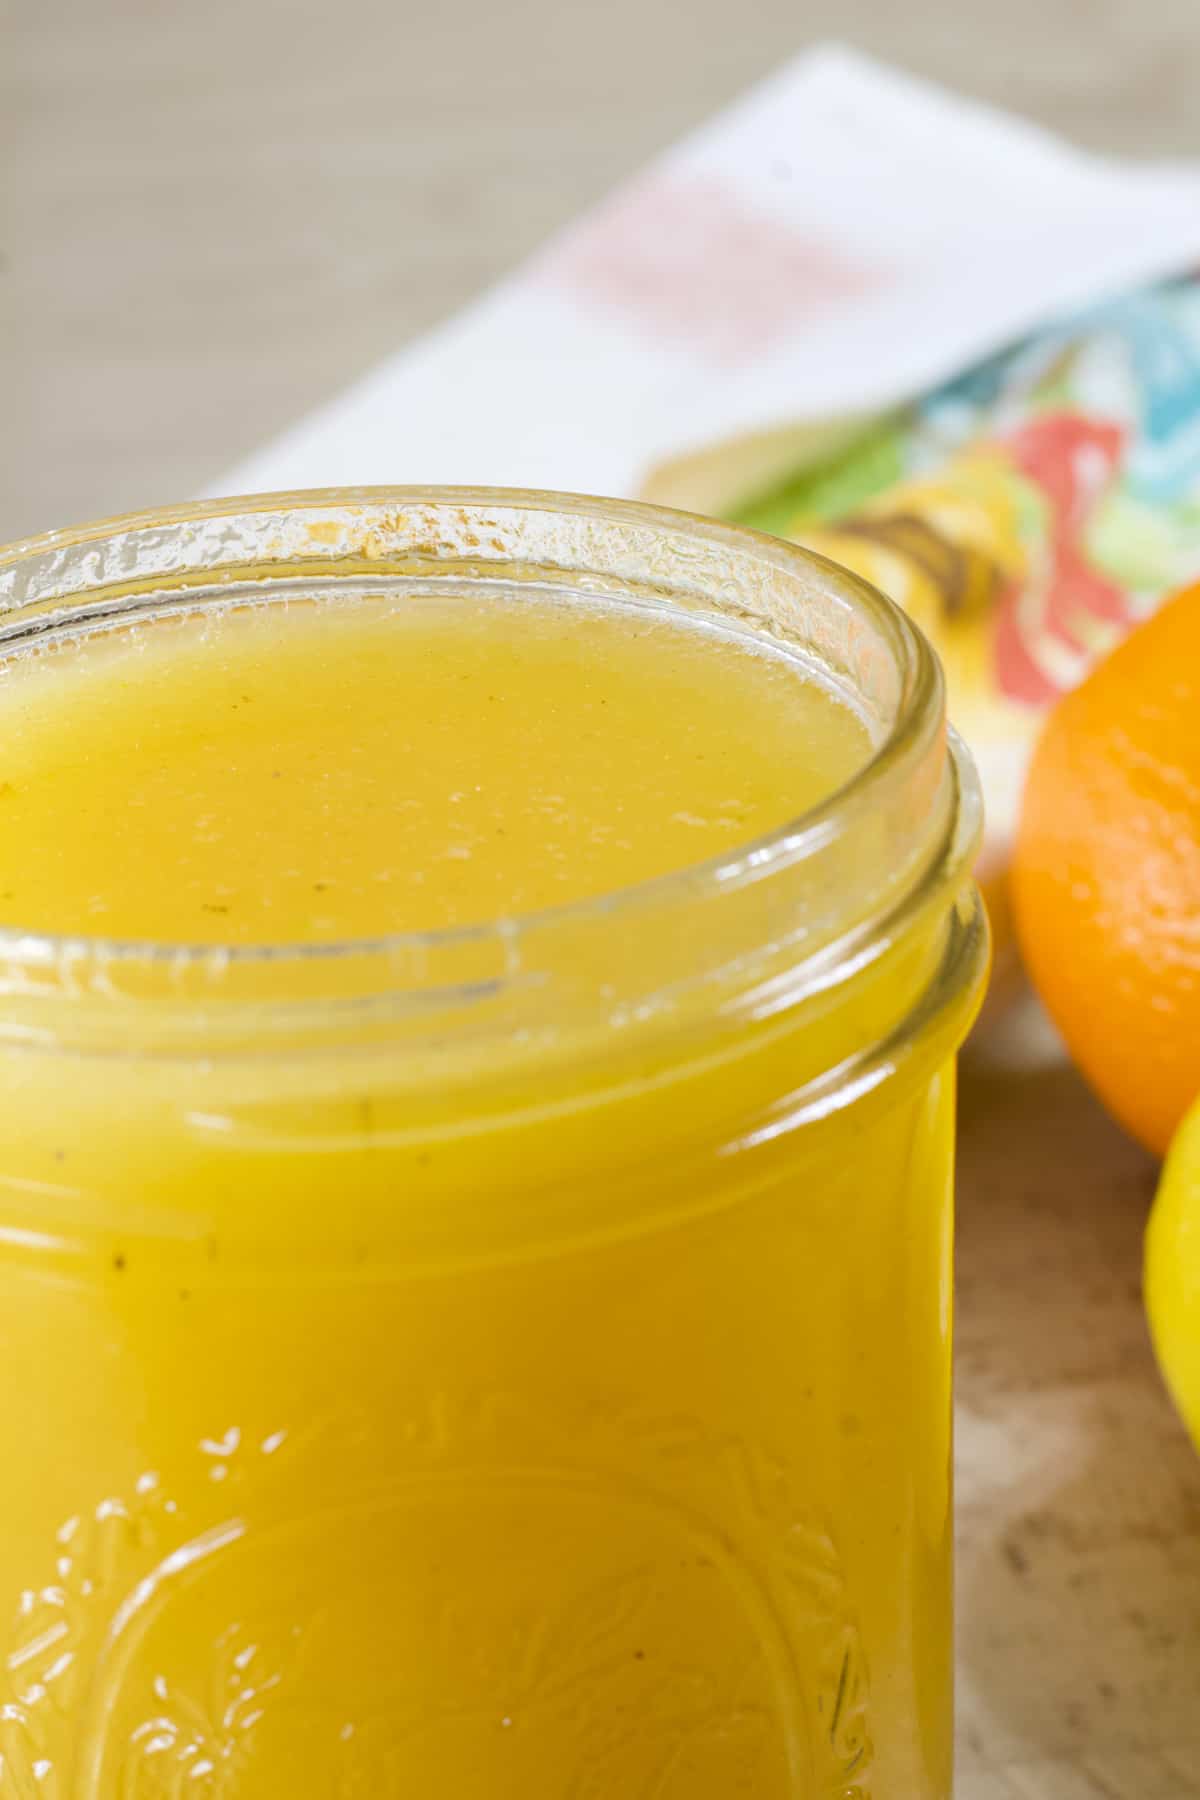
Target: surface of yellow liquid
{"type": "Point", "coordinates": [367, 766]}
{"type": "Point", "coordinates": [559, 1416]}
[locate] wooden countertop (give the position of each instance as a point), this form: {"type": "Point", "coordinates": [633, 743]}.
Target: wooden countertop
{"type": "Point", "coordinates": [1078, 1494]}
{"type": "Point", "coordinates": [215, 216]}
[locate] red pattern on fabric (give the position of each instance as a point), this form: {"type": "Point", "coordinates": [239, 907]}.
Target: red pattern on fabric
{"type": "Point", "coordinates": [1074, 461]}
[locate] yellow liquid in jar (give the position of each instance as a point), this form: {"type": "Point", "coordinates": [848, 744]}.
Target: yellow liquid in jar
{"type": "Point", "coordinates": [472, 1423]}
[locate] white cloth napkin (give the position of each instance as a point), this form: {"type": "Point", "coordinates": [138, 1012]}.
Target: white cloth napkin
{"type": "Point", "coordinates": [837, 241]}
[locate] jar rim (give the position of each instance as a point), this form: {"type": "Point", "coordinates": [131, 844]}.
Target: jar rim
{"type": "Point", "coordinates": [180, 558]}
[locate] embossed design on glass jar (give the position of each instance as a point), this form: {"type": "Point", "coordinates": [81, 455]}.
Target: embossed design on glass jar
{"type": "Point", "coordinates": [635, 1608]}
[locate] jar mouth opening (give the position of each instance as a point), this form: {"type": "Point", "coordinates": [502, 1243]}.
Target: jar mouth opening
{"type": "Point", "coordinates": [183, 557]}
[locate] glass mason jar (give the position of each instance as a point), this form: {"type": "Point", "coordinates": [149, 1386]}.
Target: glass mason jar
{"type": "Point", "coordinates": [512, 1361]}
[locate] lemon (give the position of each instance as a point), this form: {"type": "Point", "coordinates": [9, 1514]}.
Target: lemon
{"type": "Point", "coordinates": [1173, 1270]}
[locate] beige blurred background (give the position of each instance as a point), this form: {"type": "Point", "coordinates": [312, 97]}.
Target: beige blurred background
{"type": "Point", "coordinates": [214, 213]}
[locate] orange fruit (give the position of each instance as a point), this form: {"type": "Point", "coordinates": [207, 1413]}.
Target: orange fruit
{"type": "Point", "coordinates": [1106, 873]}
